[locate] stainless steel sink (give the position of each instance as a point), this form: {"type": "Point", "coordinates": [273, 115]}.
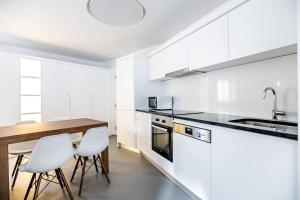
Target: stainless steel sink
{"type": "Point", "coordinates": [272, 124]}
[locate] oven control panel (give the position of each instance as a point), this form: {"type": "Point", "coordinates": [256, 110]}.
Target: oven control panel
{"type": "Point", "coordinates": [195, 132]}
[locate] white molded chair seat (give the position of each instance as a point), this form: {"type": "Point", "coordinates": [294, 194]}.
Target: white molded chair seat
{"type": "Point", "coordinates": [94, 141]}
{"type": "Point", "coordinates": [49, 154]}
{"type": "Point", "coordinates": [20, 149]}
{"type": "Point", "coordinates": [75, 137]}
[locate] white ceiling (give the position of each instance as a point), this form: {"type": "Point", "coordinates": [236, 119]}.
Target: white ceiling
{"type": "Point", "coordinates": [65, 27]}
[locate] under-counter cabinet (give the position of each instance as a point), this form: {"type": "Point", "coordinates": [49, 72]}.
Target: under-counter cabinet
{"type": "Point", "coordinates": [173, 58]}
{"type": "Point", "coordinates": [209, 45]}
{"type": "Point", "coordinates": [251, 166]}
{"type": "Point", "coordinates": [192, 167]}
{"type": "Point", "coordinates": [261, 25]}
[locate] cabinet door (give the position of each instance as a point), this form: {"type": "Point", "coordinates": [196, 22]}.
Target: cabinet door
{"type": "Point", "coordinates": [209, 45]}
{"type": "Point", "coordinates": [125, 84]}
{"type": "Point", "coordinates": [102, 95]}
{"type": "Point", "coordinates": [261, 25]}
{"type": "Point", "coordinates": [55, 90]}
{"type": "Point", "coordinates": [251, 166]}
{"type": "Point", "coordinates": [126, 133]}
{"type": "Point", "coordinates": [173, 58]}
{"type": "Point", "coordinates": [81, 92]}
{"type": "Point", "coordinates": [192, 164]}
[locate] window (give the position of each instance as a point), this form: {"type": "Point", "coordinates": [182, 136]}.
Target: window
{"type": "Point", "coordinates": [30, 71]}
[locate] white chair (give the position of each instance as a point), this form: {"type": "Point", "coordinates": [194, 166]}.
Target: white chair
{"type": "Point", "coordinates": [94, 141]}
{"type": "Point", "coordinates": [21, 150]}
{"type": "Point", "coordinates": [75, 137]}
{"type": "Point", "coordinates": [48, 154]}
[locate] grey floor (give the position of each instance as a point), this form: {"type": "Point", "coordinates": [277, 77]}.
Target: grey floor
{"type": "Point", "coordinates": [132, 178]}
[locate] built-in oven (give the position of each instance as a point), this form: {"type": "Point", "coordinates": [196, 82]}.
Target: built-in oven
{"type": "Point", "coordinates": [162, 136]}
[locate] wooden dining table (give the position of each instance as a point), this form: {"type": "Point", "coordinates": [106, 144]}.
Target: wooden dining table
{"type": "Point", "coordinates": [27, 132]}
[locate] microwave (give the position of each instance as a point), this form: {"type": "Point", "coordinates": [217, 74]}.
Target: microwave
{"type": "Point", "coordinates": [160, 103]}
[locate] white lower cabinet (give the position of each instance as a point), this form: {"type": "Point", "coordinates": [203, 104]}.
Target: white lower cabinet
{"type": "Point", "coordinates": [143, 124]}
{"type": "Point", "coordinates": [192, 164]}
{"type": "Point", "coordinates": [251, 166]}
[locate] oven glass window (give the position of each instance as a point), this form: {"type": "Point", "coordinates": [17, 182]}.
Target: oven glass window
{"type": "Point", "coordinates": [162, 142]}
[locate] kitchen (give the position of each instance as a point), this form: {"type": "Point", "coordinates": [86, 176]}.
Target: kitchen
{"type": "Point", "coordinates": [209, 112]}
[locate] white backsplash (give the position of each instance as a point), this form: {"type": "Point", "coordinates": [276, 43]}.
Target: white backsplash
{"type": "Point", "coordinates": [238, 90]}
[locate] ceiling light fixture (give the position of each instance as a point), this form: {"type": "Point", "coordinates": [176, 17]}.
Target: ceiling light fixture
{"type": "Point", "coordinates": [120, 13]}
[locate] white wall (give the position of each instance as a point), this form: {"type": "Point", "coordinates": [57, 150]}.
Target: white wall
{"type": "Point", "coordinates": [238, 90]}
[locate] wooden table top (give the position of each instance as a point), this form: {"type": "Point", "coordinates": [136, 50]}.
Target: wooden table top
{"type": "Point", "coordinates": [25, 132]}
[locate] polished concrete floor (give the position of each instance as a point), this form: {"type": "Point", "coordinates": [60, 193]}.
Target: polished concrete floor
{"type": "Point", "coordinates": [132, 178]}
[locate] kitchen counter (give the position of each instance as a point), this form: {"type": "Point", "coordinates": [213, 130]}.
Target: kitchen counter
{"type": "Point", "coordinates": [223, 120]}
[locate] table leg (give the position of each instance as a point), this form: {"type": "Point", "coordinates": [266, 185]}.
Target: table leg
{"type": "Point", "coordinates": [104, 155]}
{"type": "Point", "coordinates": [4, 179]}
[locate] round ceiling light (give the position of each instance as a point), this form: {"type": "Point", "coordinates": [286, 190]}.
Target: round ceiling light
{"type": "Point", "coordinates": [121, 13]}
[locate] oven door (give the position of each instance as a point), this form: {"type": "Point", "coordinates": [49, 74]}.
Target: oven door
{"type": "Point", "coordinates": [162, 140]}
{"type": "Point", "coordinates": [152, 102]}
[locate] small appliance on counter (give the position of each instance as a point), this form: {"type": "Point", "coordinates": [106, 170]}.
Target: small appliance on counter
{"type": "Point", "coordinates": [160, 102]}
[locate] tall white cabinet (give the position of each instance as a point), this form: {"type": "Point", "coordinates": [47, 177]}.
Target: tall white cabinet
{"type": "Point", "coordinates": [55, 90]}
{"type": "Point", "coordinates": [131, 93]}
{"type": "Point", "coordinates": [76, 91]}
{"type": "Point", "coordinates": [9, 89]}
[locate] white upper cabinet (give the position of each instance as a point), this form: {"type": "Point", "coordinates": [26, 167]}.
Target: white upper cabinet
{"type": "Point", "coordinates": [55, 90]}
{"type": "Point", "coordinates": [209, 45]}
{"type": "Point", "coordinates": [261, 25]}
{"type": "Point", "coordinates": [173, 58]}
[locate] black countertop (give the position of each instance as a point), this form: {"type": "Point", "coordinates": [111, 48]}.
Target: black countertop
{"type": "Point", "coordinates": [225, 121]}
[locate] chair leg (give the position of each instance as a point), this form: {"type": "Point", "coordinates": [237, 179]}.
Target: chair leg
{"type": "Point", "coordinates": [103, 168]}
{"type": "Point", "coordinates": [74, 145]}
{"type": "Point", "coordinates": [29, 186]}
{"type": "Point", "coordinates": [82, 175]}
{"type": "Point", "coordinates": [37, 187]}
{"type": "Point", "coordinates": [17, 171]}
{"type": "Point", "coordinates": [16, 165]}
{"type": "Point", "coordinates": [95, 163]}
{"type": "Point", "coordinates": [59, 178]}
{"type": "Point", "coordinates": [65, 183]}
{"type": "Point", "coordinates": [75, 169]}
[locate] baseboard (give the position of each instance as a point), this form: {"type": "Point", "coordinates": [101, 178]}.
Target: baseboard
{"type": "Point", "coordinates": [171, 178]}
{"type": "Point", "coordinates": [130, 148]}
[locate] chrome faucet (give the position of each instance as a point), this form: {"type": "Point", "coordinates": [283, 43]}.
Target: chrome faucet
{"type": "Point", "coordinates": [275, 112]}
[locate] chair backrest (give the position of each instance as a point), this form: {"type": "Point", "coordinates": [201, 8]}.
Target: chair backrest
{"type": "Point", "coordinates": [50, 153]}
{"type": "Point", "coordinates": [25, 122]}
{"type": "Point", "coordinates": [94, 141]}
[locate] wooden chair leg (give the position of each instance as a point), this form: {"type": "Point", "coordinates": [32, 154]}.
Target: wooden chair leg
{"type": "Point", "coordinates": [17, 171]}
{"type": "Point", "coordinates": [95, 163]}
{"type": "Point", "coordinates": [74, 171]}
{"type": "Point", "coordinates": [59, 178]}
{"type": "Point", "coordinates": [37, 187]}
{"type": "Point", "coordinates": [16, 165]}
{"type": "Point", "coordinates": [103, 168]}
{"type": "Point", "coordinates": [82, 175]}
{"type": "Point", "coordinates": [65, 183]}
{"type": "Point", "coordinates": [75, 147]}
{"type": "Point", "coordinates": [29, 186]}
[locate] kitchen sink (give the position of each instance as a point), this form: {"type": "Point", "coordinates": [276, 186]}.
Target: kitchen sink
{"type": "Point", "coordinates": [273, 124]}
